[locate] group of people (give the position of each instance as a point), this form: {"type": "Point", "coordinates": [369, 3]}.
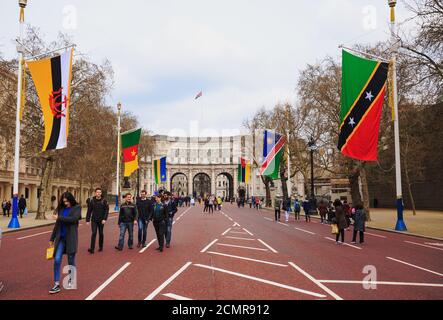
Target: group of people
{"type": "Point", "coordinates": [160, 209]}
{"type": "Point", "coordinates": [340, 215]}
{"type": "Point", "coordinates": [212, 203]}
{"type": "Point", "coordinates": [7, 205]}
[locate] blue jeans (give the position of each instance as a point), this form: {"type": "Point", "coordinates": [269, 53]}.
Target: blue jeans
{"type": "Point", "coordinates": [58, 259]}
{"type": "Point", "coordinates": [123, 227]}
{"type": "Point", "coordinates": [142, 231]}
{"type": "Point", "coordinates": [169, 230]}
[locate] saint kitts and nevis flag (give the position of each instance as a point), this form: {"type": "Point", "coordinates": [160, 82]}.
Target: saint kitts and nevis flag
{"type": "Point", "coordinates": [244, 171]}
{"type": "Point", "coordinates": [363, 91]}
{"type": "Point", "coordinates": [52, 78]}
{"type": "Point", "coordinates": [159, 168]}
{"type": "Point", "coordinates": [130, 141]}
{"type": "Point", "coordinates": [273, 148]}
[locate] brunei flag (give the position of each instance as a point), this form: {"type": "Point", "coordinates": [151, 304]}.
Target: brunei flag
{"type": "Point", "coordinates": [130, 142]}
{"type": "Point", "coordinates": [363, 93]}
{"type": "Point", "coordinates": [159, 168]}
{"type": "Point", "coordinates": [244, 171]}
{"type": "Point", "coordinates": [52, 78]}
{"type": "Point", "coordinates": [273, 147]}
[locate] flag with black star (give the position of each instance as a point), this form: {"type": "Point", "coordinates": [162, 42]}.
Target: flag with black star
{"type": "Point", "coordinates": [363, 92]}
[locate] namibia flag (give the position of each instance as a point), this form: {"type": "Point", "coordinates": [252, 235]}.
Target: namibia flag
{"type": "Point", "coordinates": [159, 168]}
{"type": "Point", "coordinates": [273, 148]}
{"type": "Point", "coordinates": [363, 92]}
{"type": "Point", "coordinates": [130, 142]}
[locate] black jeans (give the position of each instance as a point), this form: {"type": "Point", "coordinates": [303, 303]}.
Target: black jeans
{"type": "Point", "coordinates": [142, 231]}
{"type": "Point", "coordinates": [277, 214]}
{"type": "Point", "coordinates": [21, 212]}
{"type": "Point", "coordinates": [211, 208]}
{"type": "Point", "coordinates": [362, 236]}
{"type": "Point", "coordinates": [101, 235]}
{"type": "Point", "coordinates": [160, 230]}
{"type": "Point", "coordinates": [341, 232]}
{"type": "Point", "coordinates": [308, 216]}
{"type": "Point", "coordinates": [297, 215]}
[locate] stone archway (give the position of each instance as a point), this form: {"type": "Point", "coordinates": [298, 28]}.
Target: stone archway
{"type": "Point", "coordinates": [225, 185]}
{"type": "Point", "coordinates": [179, 184]}
{"type": "Point", "coordinates": [201, 185]}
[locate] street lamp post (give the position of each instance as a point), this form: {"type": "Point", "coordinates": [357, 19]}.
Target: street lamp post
{"type": "Point", "coordinates": [14, 223]}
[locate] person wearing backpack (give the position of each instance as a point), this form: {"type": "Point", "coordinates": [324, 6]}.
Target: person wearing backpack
{"type": "Point", "coordinates": [297, 209]}
{"type": "Point", "coordinates": [96, 216]}
{"type": "Point", "coordinates": [159, 218]}
{"type": "Point", "coordinates": [277, 208]}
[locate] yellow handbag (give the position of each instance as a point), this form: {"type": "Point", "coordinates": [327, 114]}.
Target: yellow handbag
{"type": "Point", "coordinates": [50, 253]}
{"type": "Point", "coordinates": [334, 229]}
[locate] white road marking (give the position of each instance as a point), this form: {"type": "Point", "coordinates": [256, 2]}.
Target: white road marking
{"type": "Point", "coordinates": [224, 233]}
{"type": "Point", "coordinates": [34, 235]}
{"type": "Point", "coordinates": [176, 297]}
{"type": "Point", "coordinates": [317, 282]}
{"type": "Point", "coordinates": [344, 243]}
{"type": "Point", "coordinates": [248, 259]}
{"type": "Point", "coordinates": [272, 283]}
{"type": "Point", "coordinates": [243, 247]}
{"type": "Point", "coordinates": [269, 219]}
{"type": "Point", "coordinates": [107, 282]}
{"type": "Point", "coordinates": [146, 248]}
{"type": "Point", "coordinates": [390, 283]}
{"type": "Point", "coordinates": [414, 266]}
{"type": "Point", "coordinates": [238, 238]}
{"type": "Point", "coordinates": [423, 245]}
{"type": "Point", "coordinates": [237, 232]}
{"type": "Point", "coordinates": [376, 235]}
{"type": "Point", "coordinates": [283, 224]}
{"type": "Point", "coordinates": [167, 282]}
{"type": "Point", "coordinates": [435, 244]}
{"type": "Point", "coordinates": [306, 231]}
{"type": "Point", "coordinates": [208, 246]}
{"type": "Point", "coordinates": [267, 246]}
{"type": "Point", "coordinates": [250, 233]}
{"type": "Point", "coordinates": [236, 224]}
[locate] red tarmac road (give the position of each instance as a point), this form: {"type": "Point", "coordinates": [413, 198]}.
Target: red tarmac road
{"type": "Point", "coordinates": [233, 254]}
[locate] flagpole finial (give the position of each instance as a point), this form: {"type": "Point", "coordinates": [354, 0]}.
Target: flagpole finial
{"type": "Point", "coordinates": [22, 4]}
{"type": "Point", "coordinates": [119, 106]}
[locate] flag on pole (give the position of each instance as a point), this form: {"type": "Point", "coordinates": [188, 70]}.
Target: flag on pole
{"type": "Point", "coordinates": [363, 92]}
{"type": "Point", "coordinates": [273, 148]}
{"type": "Point", "coordinates": [52, 78]}
{"type": "Point", "coordinates": [159, 168]}
{"type": "Point", "coordinates": [199, 95]}
{"type": "Point", "coordinates": [244, 171]}
{"type": "Point", "coordinates": [130, 141]}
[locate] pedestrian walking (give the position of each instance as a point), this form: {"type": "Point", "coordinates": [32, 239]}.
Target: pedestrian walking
{"type": "Point", "coordinates": [159, 217]}
{"type": "Point", "coordinates": [288, 208]}
{"type": "Point", "coordinates": [96, 216]}
{"type": "Point", "coordinates": [307, 210]}
{"type": "Point", "coordinates": [297, 209]}
{"type": "Point", "coordinates": [144, 208]}
{"type": "Point", "coordinates": [206, 204]}
{"type": "Point", "coordinates": [22, 205]}
{"type": "Point", "coordinates": [128, 215]}
{"type": "Point", "coordinates": [277, 208]}
{"type": "Point", "coordinates": [4, 205]}
{"type": "Point", "coordinates": [359, 224]}
{"type": "Point", "coordinates": [323, 209]}
{"type": "Point", "coordinates": [257, 203]}
{"type": "Point", "coordinates": [64, 239]}
{"type": "Point", "coordinates": [193, 202]}
{"type": "Point", "coordinates": [171, 206]}
{"type": "Point", "coordinates": [219, 203]}
{"type": "Point", "coordinates": [340, 221]}
{"type": "Point", "coordinates": [211, 204]}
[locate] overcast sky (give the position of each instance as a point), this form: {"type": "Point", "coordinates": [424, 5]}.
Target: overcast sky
{"type": "Point", "coordinates": [243, 54]}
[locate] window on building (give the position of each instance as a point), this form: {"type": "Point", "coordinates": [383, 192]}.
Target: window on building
{"type": "Point", "coordinates": [26, 193]}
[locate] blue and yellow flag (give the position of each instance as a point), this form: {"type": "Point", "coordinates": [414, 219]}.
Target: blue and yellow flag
{"type": "Point", "coordinates": [159, 168]}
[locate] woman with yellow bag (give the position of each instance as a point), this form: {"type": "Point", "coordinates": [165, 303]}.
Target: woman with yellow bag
{"type": "Point", "coordinates": [64, 239]}
{"type": "Point", "coordinates": [340, 221]}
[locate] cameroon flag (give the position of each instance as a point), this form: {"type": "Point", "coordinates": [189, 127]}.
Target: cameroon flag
{"type": "Point", "coordinates": [130, 142]}
{"type": "Point", "coordinates": [363, 92]}
{"type": "Point", "coordinates": [159, 168]}
{"type": "Point", "coordinates": [244, 171]}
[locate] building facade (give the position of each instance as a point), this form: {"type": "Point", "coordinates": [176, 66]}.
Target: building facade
{"type": "Point", "coordinates": [200, 166]}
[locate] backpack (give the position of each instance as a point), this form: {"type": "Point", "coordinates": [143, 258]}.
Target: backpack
{"type": "Point", "coordinates": [297, 206]}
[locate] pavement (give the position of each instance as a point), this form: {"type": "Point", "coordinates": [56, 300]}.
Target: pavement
{"type": "Point", "coordinates": [233, 254]}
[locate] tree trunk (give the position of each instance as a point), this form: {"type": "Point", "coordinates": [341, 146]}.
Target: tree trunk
{"type": "Point", "coordinates": [355, 188]}
{"type": "Point", "coordinates": [284, 181]}
{"type": "Point", "coordinates": [365, 191]}
{"type": "Point", "coordinates": [45, 189]}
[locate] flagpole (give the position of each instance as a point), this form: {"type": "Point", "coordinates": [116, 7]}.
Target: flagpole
{"type": "Point", "coordinates": [289, 155]}
{"type": "Point", "coordinates": [14, 223]}
{"type": "Point", "coordinates": [117, 197]}
{"type": "Point", "coordinates": [400, 226]}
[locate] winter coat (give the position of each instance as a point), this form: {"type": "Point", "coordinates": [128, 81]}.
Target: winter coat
{"type": "Point", "coordinates": [145, 208]}
{"type": "Point", "coordinates": [98, 210]}
{"type": "Point", "coordinates": [340, 218]}
{"type": "Point", "coordinates": [360, 220]}
{"type": "Point", "coordinates": [71, 226]}
{"type": "Point", "coordinates": [128, 213]}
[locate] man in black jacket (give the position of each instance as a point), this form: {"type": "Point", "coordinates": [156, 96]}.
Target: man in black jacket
{"type": "Point", "coordinates": [159, 218]}
{"type": "Point", "coordinates": [171, 205]}
{"type": "Point", "coordinates": [127, 217]}
{"type": "Point", "coordinates": [22, 205]}
{"type": "Point", "coordinates": [97, 215]}
{"type": "Point", "coordinates": [144, 207]}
